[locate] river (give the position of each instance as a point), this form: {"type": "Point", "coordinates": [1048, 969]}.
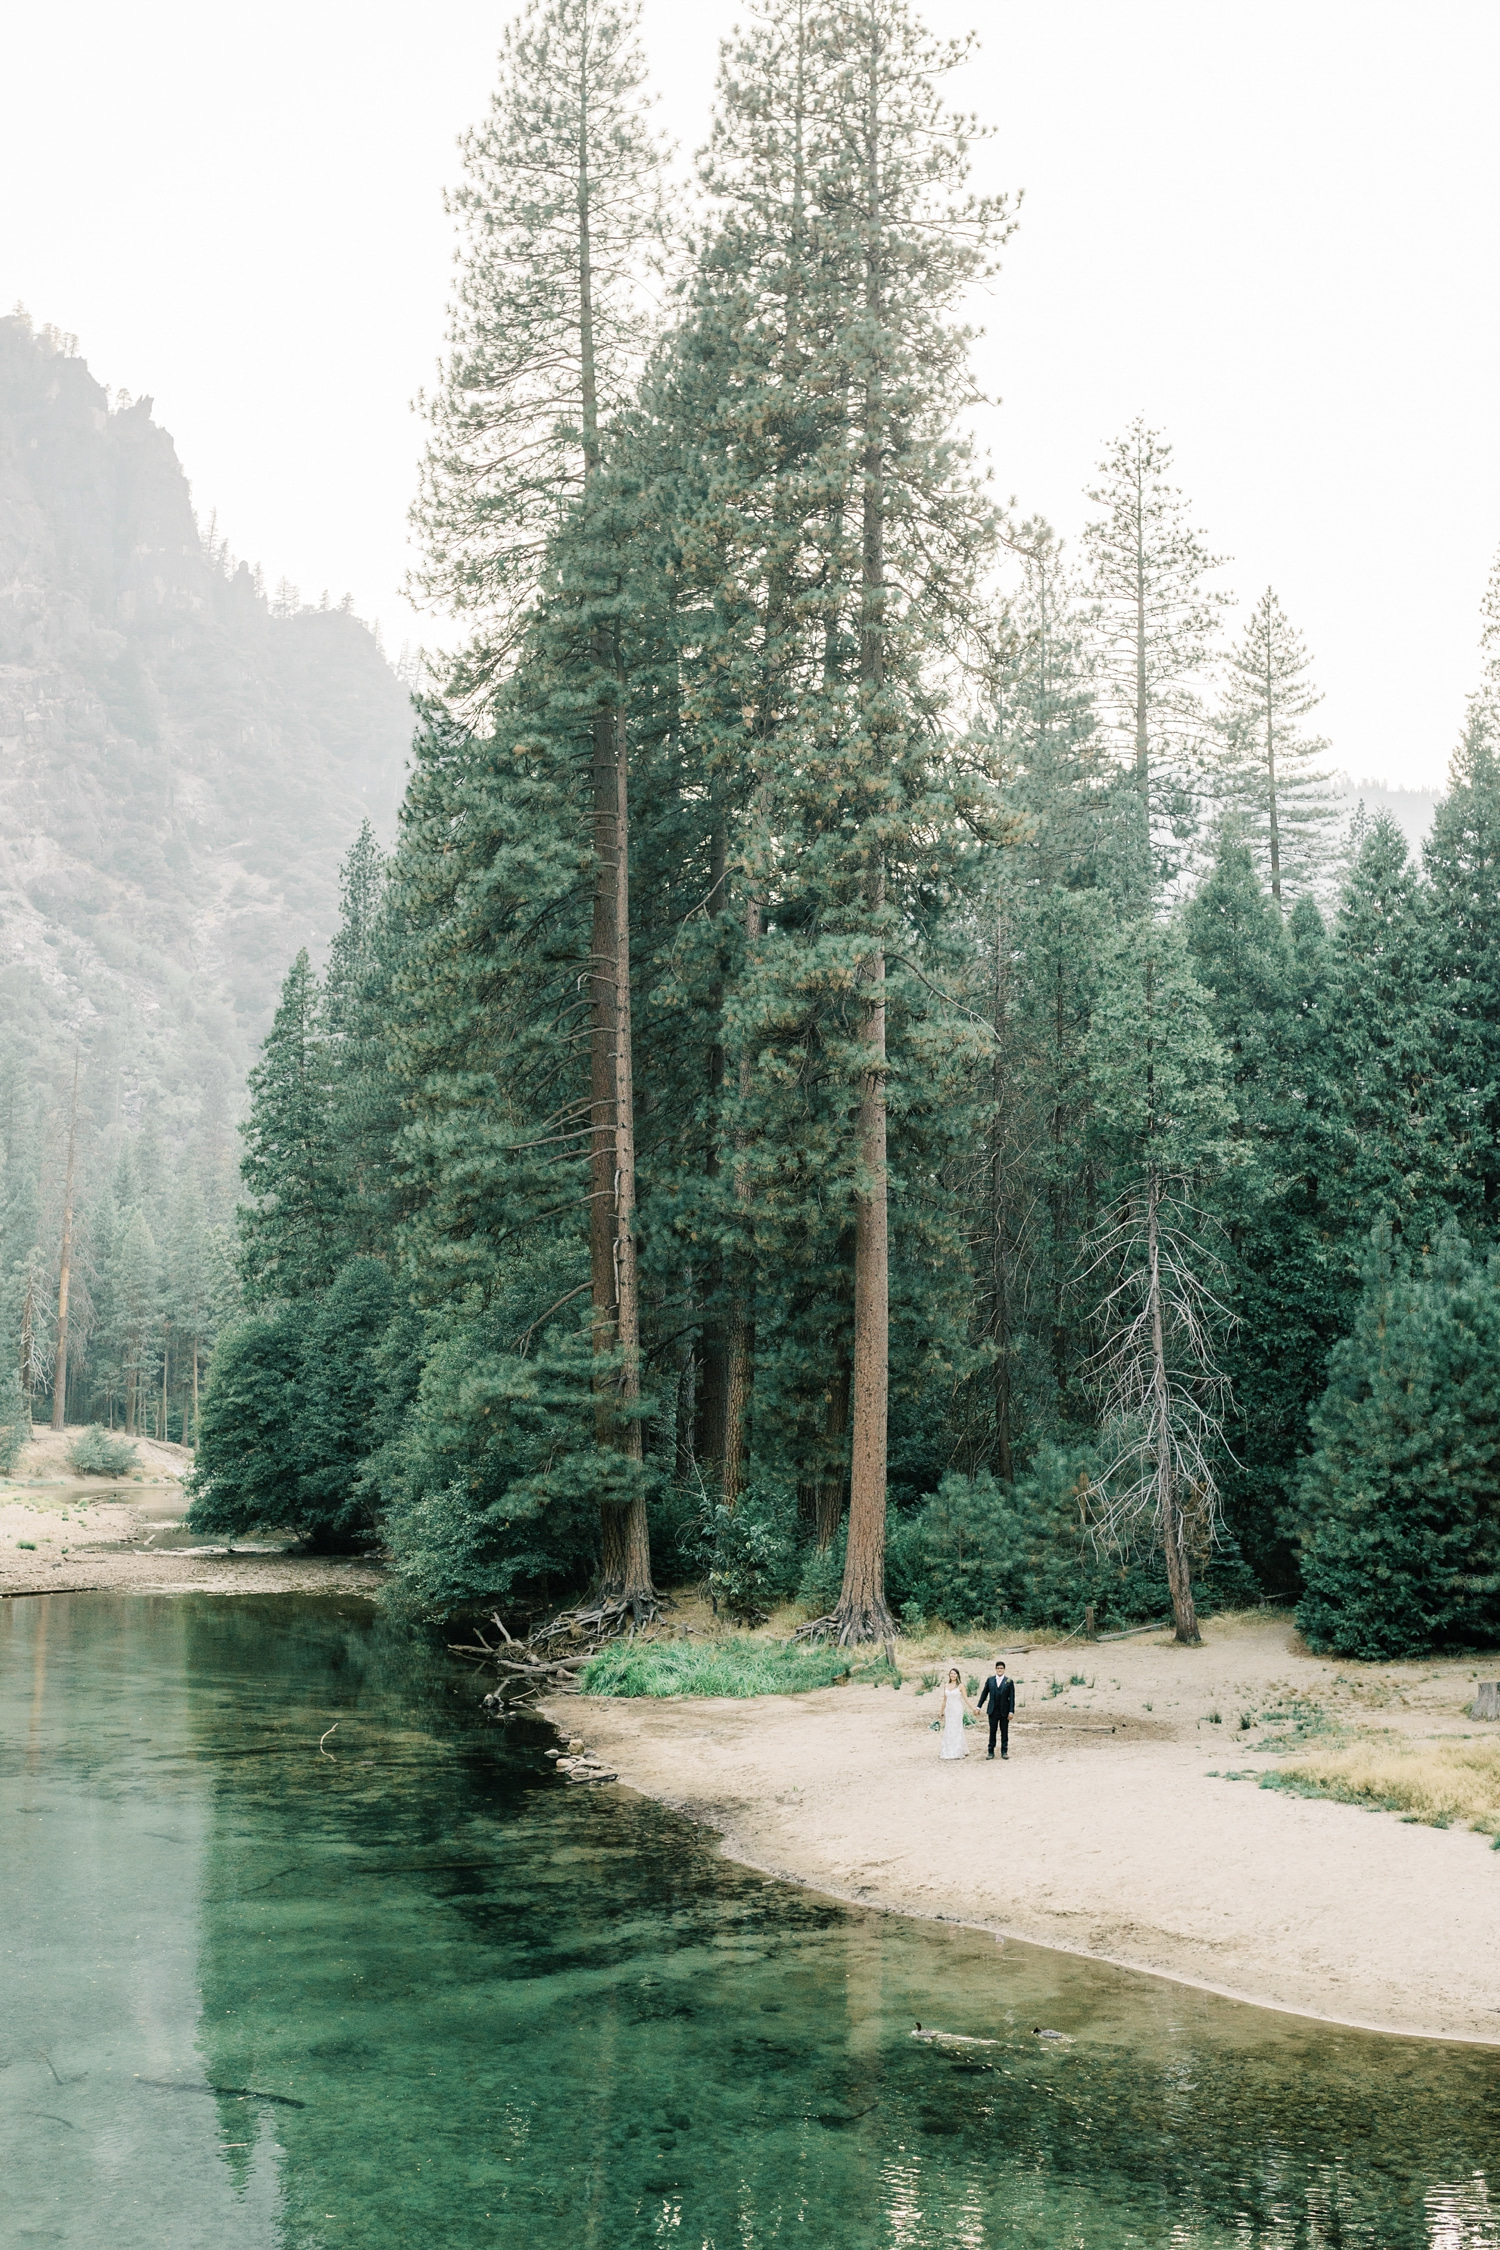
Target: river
{"type": "Point", "coordinates": [299, 1950]}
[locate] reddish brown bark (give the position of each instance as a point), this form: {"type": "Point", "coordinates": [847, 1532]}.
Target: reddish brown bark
{"type": "Point", "coordinates": [862, 1614]}
{"type": "Point", "coordinates": [741, 1353]}
{"type": "Point", "coordinates": [1000, 1312]}
{"type": "Point", "coordinates": [713, 1390]}
{"type": "Point", "coordinates": [829, 1490]}
{"type": "Point", "coordinates": [625, 1569]}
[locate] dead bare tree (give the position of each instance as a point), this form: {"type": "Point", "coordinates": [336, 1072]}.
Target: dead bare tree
{"type": "Point", "coordinates": [1163, 1396]}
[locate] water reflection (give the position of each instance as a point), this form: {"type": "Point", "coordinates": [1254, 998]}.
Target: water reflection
{"type": "Point", "coordinates": [410, 1988]}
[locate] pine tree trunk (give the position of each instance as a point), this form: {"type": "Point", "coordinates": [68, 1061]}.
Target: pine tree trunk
{"type": "Point", "coordinates": [1174, 1549]}
{"type": "Point", "coordinates": [1275, 825]}
{"type": "Point", "coordinates": [1179, 1577]}
{"type": "Point", "coordinates": [625, 1568]}
{"type": "Point", "coordinates": [613, 1431]}
{"type": "Point", "coordinates": [713, 1391]}
{"type": "Point", "coordinates": [830, 1485]}
{"type": "Point", "coordinates": [741, 1355]}
{"type": "Point", "coordinates": [686, 1401]}
{"type": "Point", "coordinates": [862, 1614]}
{"type": "Point", "coordinates": [999, 1244]}
{"type": "Point", "coordinates": [64, 1273]}
{"type": "Point", "coordinates": [638, 1589]}
{"type": "Point", "coordinates": [737, 1392]}
{"type": "Point", "coordinates": [28, 1338]}
{"type": "Point", "coordinates": [195, 1390]}
{"type": "Point", "coordinates": [603, 965]}
{"type": "Point", "coordinates": [1142, 726]}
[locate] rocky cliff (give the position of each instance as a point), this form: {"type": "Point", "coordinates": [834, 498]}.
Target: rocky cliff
{"type": "Point", "coordinates": [182, 764]}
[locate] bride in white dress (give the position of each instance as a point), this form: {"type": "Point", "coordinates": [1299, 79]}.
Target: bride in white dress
{"type": "Point", "coordinates": [955, 1703]}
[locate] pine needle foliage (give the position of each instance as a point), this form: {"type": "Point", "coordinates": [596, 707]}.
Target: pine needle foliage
{"type": "Point", "coordinates": [1285, 804]}
{"type": "Point", "coordinates": [1158, 624]}
{"type": "Point", "coordinates": [558, 211]}
{"type": "Point", "coordinates": [1400, 1496]}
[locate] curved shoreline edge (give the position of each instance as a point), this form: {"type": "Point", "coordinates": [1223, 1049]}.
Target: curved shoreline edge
{"type": "Point", "coordinates": [1115, 1834]}
{"type": "Point", "coordinates": [907, 1913]}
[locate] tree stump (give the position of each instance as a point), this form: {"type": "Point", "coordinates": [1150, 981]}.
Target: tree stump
{"type": "Point", "coordinates": [1486, 1704]}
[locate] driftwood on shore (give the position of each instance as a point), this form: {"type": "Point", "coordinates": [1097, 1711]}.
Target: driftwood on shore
{"type": "Point", "coordinates": [549, 1659]}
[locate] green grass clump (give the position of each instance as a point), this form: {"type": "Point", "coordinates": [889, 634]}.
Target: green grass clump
{"type": "Point", "coordinates": [1295, 1724]}
{"type": "Point", "coordinates": [716, 1668]}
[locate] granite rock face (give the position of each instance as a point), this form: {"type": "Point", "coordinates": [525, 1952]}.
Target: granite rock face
{"type": "Point", "coordinates": [183, 764]}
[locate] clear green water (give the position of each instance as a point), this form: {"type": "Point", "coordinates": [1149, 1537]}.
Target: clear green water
{"type": "Point", "coordinates": [448, 2000]}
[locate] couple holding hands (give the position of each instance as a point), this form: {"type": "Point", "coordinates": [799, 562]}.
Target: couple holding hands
{"type": "Point", "coordinates": [997, 1696]}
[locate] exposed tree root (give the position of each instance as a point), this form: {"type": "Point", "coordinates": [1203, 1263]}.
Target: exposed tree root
{"type": "Point", "coordinates": [548, 1660]}
{"type": "Point", "coordinates": [849, 1629]}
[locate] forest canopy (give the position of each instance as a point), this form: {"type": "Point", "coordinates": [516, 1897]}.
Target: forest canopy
{"type": "Point", "coordinates": [873, 1072]}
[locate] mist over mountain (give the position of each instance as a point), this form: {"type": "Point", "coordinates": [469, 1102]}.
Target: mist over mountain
{"type": "Point", "coordinates": [183, 761]}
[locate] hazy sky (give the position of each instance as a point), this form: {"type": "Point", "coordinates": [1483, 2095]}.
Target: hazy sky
{"type": "Point", "coordinates": [1275, 231]}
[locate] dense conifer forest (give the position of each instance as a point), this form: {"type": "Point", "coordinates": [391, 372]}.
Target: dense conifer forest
{"type": "Point", "coordinates": [877, 1069]}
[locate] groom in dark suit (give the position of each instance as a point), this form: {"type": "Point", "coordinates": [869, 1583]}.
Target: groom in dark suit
{"type": "Point", "coordinates": [999, 1695]}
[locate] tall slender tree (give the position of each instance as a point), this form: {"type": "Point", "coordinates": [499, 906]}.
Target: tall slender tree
{"type": "Point", "coordinates": [291, 1233]}
{"type": "Point", "coordinates": [1286, 806]}
{"type": "Point", "coordinates": [1382, 1132]}
{"type": "Point", "coordinates": [1158, 625]}
{"type": "Point", "coordinates": [856, 140]}
{"type": "Point", "coordinates": [65, 1267]}
{"type": "Point", "coordinates": [561, 208]}
{"type": "Point", "coordinates": [1160, 1115]}
{"type": "Point", "coordinates": [1461, 859]}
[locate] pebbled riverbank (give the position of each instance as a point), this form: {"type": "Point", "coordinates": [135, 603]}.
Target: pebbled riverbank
{"type": "Point", "coordinates": [1128, 1846]}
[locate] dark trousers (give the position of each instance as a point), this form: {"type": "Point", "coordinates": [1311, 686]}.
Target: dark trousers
{"type": "Point", "coordinates": [1004, 1726]}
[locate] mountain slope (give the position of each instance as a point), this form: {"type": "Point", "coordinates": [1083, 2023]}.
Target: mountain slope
{"type": "Point", "coordinates": [182, 766]}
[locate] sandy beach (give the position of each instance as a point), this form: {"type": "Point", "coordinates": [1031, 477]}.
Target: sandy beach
{"type": "Point", "coordinates": [61, 1533]}
{"type": "Point", "coordinates": [1111, 1831]}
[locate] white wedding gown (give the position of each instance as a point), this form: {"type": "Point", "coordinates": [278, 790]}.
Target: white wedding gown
{"type": "Point", "coordinates": [953, 1723]}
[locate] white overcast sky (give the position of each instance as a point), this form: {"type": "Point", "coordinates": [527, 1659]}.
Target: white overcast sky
{"type": "Point", "coordinates": [1274, 230]}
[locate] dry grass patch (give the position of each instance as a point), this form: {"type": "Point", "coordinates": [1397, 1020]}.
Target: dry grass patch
{"type": "Point", "coordinates": [1435, 1782]}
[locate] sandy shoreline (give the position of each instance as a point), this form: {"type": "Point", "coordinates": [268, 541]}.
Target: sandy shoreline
{"type": "Point", "coordinates": [63, 1534]}
{"type": "Point", "coordinates": [1125, 1846]}
{"type": "Point", "coordinates": [1111, 1832]}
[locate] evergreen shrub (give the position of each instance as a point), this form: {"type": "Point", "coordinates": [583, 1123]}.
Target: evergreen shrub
{"type": "Point", "coordinates": [978, 1550]}
{"type": "Point", "coordinates": [1400, 1498]}
{"type": "Point", "coordinates": [822, 1574]}
{"type": "Point", "coordinates": [752, 1553]}
{"type": "Point", "coordinates": [493, 1489]}
{"type": "Point", "coordinates": [289, 1414]}
{"type": "Point", "coordinates": [676, 1512]}
{"type": "Point", "coordinates": [95, 1453]}
{"type": "Point", "coordinates": [245, 1466]}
